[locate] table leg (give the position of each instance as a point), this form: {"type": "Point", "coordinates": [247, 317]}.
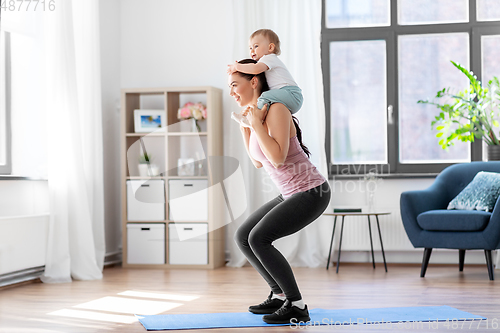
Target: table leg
{"type": "Point", "coordinates": [381, 244]}
{"type": "Point", "coordinates": [340, 242]}
{"type": "Point", "coordinates": [331, 242]}
{"type": "Point", "coordinates": [371, 240]}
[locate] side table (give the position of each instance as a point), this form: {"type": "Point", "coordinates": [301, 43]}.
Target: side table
{"type": "Point", "coordinates": [376, 214]}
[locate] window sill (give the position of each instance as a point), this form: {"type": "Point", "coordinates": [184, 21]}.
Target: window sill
{"type": "Point", "coordinates": [385, 176]}
{"type": "Point", "coordinates": [13, 177]}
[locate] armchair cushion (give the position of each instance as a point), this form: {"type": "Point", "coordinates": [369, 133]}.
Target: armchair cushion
{"type": "Point", "coordinates": [453, 220]}
{"type": "Point", "coordinates": [480, 194]}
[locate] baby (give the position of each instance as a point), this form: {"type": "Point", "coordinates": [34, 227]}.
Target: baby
{"type": "Point", "coordinates": [265, 48]}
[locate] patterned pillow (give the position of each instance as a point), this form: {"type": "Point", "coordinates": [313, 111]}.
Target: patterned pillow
{"type": "Point", "coordinates": [481, 193]}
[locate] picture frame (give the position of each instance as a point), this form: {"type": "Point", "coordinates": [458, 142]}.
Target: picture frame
{"type": "Point", "coordinates": [147, 120]}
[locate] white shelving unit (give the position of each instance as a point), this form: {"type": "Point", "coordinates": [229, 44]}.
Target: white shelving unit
{"type": "Point", "coordinates": [197, 205]}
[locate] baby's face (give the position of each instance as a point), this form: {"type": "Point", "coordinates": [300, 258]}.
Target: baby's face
{"type": "Point", "coordinates": [260, 46]}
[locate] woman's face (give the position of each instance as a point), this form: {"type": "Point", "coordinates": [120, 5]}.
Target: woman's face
{"type": "Point", "coordinates": [241, 89]}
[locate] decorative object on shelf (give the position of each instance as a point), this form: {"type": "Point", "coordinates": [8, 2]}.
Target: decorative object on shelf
{"type": "Point", "coordinates": [472, 113]}
{"type": "Point", "coordinates": [146, 121]}
{"type": "Point", "coordinates": [199, 169]}
{"type": "Point", "coordinates": [371, 181]}
{"type": "Point", "coordinates": [185, 167]}
{"type": "Point", "coordinates": [146, 168]}
{"type": "Point", "coordinates": [194, 111]}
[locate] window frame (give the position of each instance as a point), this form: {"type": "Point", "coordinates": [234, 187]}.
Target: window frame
{"type": "Point", "coordinates": [6, 169]}
{"type": "Point", "coordinates": [475, 29]}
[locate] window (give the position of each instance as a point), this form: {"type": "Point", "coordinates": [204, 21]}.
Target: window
{"type": "Point", "coordinates": [5, 128]}
{"type": "Point", "coordinates": [379, 58]}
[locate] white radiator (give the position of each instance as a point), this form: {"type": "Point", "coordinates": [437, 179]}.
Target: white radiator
{"type": "Point", "coordinates": [23, 242]}
{"type": "Point", "coordinates": [397, 246]}
{"type": "Point", "coordinates": [356, 235]}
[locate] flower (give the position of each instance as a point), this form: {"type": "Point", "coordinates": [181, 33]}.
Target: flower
{"type": "Point", "coordinates": [185, 112]}
{"type": "Point", "coordinates": [192, 110]}
{"type": "Point", "coordinates": [197, 114]}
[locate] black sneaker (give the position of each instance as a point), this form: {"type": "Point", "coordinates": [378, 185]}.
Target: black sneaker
{"type": "Point", "coordinates": [286, 313]}
{"type": "Point", "coordinates": [270, 305]}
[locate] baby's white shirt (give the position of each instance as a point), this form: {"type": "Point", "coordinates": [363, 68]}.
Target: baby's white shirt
{"type": "Point", "coordinates": [277, 75]}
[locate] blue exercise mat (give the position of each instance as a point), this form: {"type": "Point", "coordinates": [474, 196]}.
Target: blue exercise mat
{"type": "Point", "coordinates": [391, 317]}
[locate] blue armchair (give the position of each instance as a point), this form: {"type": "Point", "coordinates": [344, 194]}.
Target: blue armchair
{"type": "Point", "coordinates": [429, 224]}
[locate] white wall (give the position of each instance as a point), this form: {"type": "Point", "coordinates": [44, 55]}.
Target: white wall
{"type": "Point", "coordinates": [174, 43]}
{"type": "Point", "coordinates": [155, 43]}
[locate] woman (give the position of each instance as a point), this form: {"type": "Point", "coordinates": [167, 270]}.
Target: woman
{"type": "Point", "coordinates": [274, 141]}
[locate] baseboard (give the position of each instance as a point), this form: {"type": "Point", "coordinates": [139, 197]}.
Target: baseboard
{"type": "Point", "coordinates": [113, 259]}
{"type": "Point", "coordinates": [21, 277]}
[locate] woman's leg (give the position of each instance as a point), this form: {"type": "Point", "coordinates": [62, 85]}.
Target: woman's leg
{"type": "Point", "coordinates": [241, 238]}
{"type": "Point", "coordinates": [284, 219]}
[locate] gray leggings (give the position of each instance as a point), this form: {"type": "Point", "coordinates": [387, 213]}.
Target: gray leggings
{"type": "Point", "coordinates": [276, 219]}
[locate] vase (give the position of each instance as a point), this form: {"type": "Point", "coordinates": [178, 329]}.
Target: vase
{"type": "Point", "coordinates": [493, 153]}
{"type": "Point", "coordinates": [194, 125]}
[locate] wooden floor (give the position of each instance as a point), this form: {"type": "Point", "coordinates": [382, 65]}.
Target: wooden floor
{"type": "Point", "coordinates": [101, 305]}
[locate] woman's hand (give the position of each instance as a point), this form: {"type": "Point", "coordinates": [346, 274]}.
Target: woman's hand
{"type": "Point", "coordinates": [255, 115]}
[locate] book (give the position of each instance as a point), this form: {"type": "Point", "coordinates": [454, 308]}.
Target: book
{"type": "Point", "coordinates": [347, 210]}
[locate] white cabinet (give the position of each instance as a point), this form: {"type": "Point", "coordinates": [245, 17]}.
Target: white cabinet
{"type": "Point", "coordinates": [188, 243]}
{"type": "Point", "coordinates": [146, 243]}
{"type": "Point", "coordinates": [188, 199]}
{"type": "Point", "coordinates": [145, 200]}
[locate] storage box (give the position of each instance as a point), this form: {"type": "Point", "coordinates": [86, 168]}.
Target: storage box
{"type": "Point", "coordinates": [188, 243]}
{"type": "Point", "coordinates": [188, 199]}
{"type": "Point", "coordinates": [146, 200]}
{"type": "Point", "coordinates": [145, 243]}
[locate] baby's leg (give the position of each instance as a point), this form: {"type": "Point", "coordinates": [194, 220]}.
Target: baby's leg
{"type": "Point", "coordinates": [290, 96]}
{"type": "Point", "coordinates": [239, 118]}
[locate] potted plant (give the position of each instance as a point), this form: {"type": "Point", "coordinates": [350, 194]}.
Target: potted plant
{"type": "Point", "coordinates": [145, 164]}
{"type": "Point", "coordinates": [469, 114]}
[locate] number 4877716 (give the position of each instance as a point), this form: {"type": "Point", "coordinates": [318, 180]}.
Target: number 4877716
{"type": "Point", "coordinates": [27, 5]}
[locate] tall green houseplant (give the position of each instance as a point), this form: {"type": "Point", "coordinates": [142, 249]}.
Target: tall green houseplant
{"type": "Point", "coordinates": [468, 114]}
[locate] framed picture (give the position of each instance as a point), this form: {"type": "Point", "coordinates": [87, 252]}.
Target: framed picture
{"type": "Point", "coordinates": [149, 120]}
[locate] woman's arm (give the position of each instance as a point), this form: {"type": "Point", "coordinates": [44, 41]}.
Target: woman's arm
{"type": "Point", "coordinates": [275, 144]}
{"type": "Point", "coordinates": [245, 131]}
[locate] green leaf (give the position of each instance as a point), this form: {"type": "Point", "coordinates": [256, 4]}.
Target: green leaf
{"type": "Point", "coordinates": [439, 127]}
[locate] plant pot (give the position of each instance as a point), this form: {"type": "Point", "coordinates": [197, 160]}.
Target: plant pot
{"type": "Point", "coordinates": [144, 170]}
{"type": "Point", "coordinates": [493, 153]}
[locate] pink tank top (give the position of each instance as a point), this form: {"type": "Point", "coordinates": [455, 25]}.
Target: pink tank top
{"type": "Point", "coordinates": [297, 174]}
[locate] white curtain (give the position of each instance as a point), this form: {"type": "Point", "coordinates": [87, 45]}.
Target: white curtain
{"type": "Point", "coordinates": [75, 146]}
{"type": "Point", "coordinates": [298, 25]}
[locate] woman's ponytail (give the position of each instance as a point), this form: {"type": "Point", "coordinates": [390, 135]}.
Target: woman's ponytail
{"type": "Point", "coordinates": [299, 136]}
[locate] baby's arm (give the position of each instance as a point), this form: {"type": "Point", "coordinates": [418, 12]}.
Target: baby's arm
{"type": "Point", "coordinates": [247, 68]}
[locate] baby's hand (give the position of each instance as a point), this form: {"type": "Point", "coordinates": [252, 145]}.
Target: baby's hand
{"type": "Point", "coordinates": [231, 68]}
